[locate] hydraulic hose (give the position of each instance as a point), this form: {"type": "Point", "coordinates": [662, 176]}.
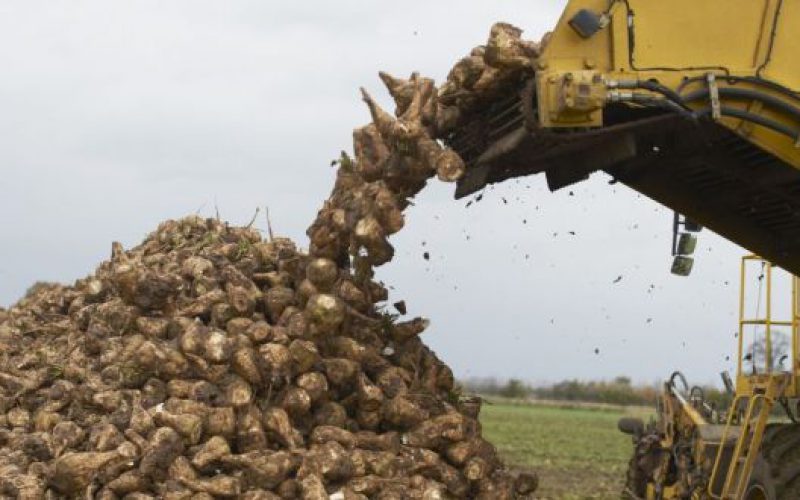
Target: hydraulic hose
{"type": "Point", "coordinates": [652, 86]}
{"type": "Point", "coordinates": [743, 79]}
{"type": "Point", "coordinates": [661, 89]}
{"type": "Point", "coordinates": [670, 105]}
{"type": "Point", "coordinates": [739, 93]}
{"type": "Point", "coordinates": [673, 101]}
{"type": "Point", "coordinates": [754, 118]}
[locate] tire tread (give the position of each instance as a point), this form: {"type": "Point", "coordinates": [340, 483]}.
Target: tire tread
{"type": "Point", "coordinates": [780, 449]}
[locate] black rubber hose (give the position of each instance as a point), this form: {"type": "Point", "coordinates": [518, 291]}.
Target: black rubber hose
{"type": "Point", "coordinates": [737, 93]}
{"type": "Point", "coordinates": [777, 87]}
{"type": "Point", "coordinates": [733, 112]}
{"type": "Point", "coordinates": [661, 89]}
{"type": "Point", "coordinates": [754, 118]}
{"type": "Point", "coordinates": [670, 105]}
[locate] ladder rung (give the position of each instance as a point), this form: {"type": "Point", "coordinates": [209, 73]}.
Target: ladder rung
{"type": "Point", "coordinates": [759, 405]}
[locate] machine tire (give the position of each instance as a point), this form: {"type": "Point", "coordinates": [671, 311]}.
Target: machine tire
{"type": "Point", "coordinates": [776, 474]}
{"type": "Point", "coordinates": [635, 480]}
{"type": "Point", "coordinates": [637, 477]}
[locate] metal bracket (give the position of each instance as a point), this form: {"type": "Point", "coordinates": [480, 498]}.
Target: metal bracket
{"type": "Point", "coordinates": [713, 92]}
{"type": "Point", "coordinates": [745, 128]}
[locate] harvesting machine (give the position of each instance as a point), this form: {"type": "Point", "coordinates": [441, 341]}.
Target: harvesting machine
{"type": "Point", "coordinates": [696, 104]}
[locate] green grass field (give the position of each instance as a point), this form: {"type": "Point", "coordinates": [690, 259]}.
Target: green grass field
{"type": "Point", "coordinates": [577, 452]}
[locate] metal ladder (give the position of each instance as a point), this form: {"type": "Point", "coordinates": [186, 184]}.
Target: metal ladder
{"type": "Point", "coordinates": [751, 433]}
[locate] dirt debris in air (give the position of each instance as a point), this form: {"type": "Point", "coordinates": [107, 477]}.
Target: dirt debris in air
{"type": "Point", "coordinates": [209, 363]}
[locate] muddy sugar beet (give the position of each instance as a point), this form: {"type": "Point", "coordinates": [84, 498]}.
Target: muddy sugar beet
{"type": "Point", "coordinates": [209, 363]}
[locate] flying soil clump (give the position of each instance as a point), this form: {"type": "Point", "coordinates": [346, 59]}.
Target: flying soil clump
{"type": "Point", "coordinates": [209, 363]}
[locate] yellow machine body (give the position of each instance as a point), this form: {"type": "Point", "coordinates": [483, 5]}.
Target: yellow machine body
{"type": "Point", "coordinates": [714, 47]}
{"type": "Point", "coordinates": [735, 63]}
{"type": "Point", "coordinates": [671, 42]}
{"type": "Point", "coordinates": [694, 103]}
{"type": "Point", "coordinates": [694, 450]}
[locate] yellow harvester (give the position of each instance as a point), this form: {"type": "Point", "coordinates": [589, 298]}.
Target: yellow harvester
{"type": "Point", "coordinates": [696, 104]}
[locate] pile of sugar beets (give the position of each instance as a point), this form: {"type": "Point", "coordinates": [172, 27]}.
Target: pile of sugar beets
{"type": "Point", "coordinates": [210, 363]}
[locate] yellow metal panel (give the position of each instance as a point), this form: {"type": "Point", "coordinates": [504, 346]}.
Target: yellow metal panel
{"type": "Point", "coordinates": [692, 33]}
{"type": "Point", "coordinates": [781, 146]}
{"type": "Point", "coordinates": [566, 50]}
{"type": "Point", "coordinates": [719, 36]}
{"type": "Point", "coordinates": [783, 66]}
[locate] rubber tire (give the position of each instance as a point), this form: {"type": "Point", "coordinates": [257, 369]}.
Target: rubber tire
{"type": "Point", "coordinates": [776, 474]}
{"type": "Point", "coordinates": [635, 480]}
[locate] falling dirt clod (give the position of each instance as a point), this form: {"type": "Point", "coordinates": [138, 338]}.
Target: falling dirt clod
{"type": "Point", "coordinates": [207, 362]}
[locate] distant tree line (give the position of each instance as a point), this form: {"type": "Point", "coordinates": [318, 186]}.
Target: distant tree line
{"type": "Point", "coordinates": [619, 391]}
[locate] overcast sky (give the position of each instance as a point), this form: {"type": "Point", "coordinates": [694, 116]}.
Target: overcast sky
{"type": "Point", "coordinates": [117, 115]}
